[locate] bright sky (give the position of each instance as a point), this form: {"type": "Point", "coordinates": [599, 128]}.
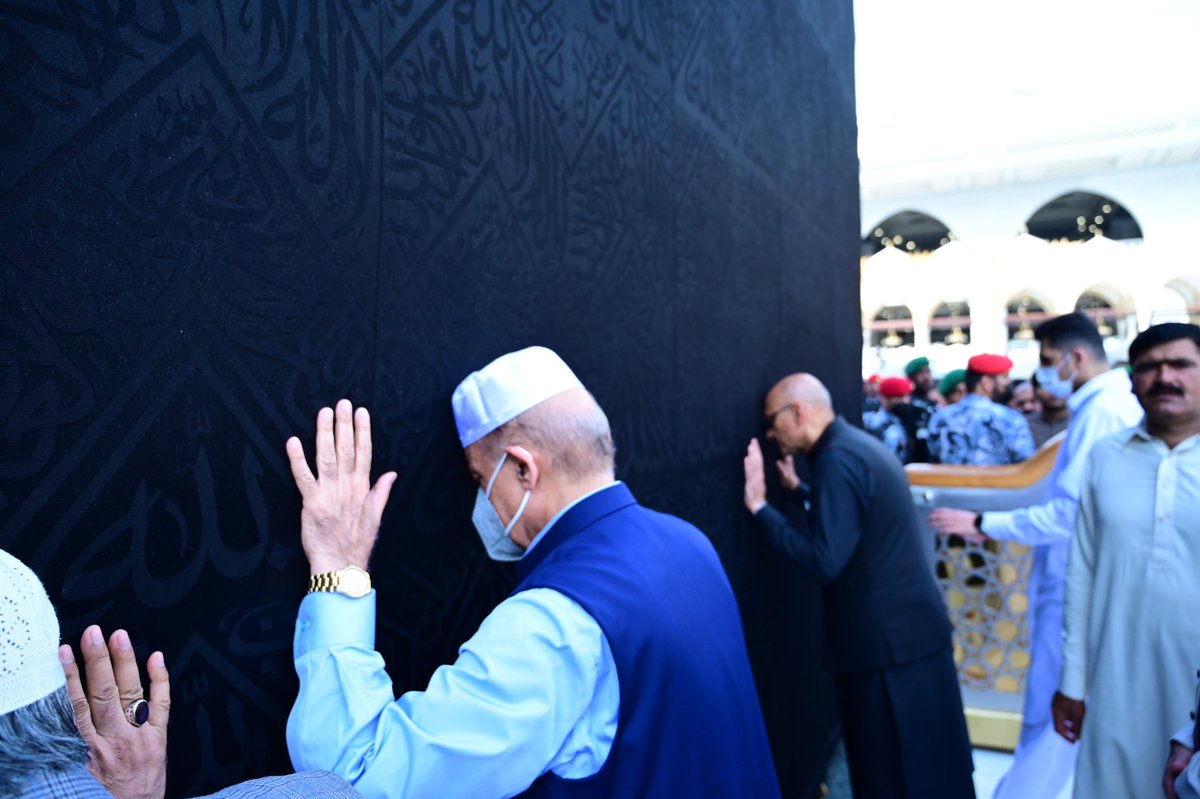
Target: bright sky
{"type": "Point", "coordinates": [938, 76]}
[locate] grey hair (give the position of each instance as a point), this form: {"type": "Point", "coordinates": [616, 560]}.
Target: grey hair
{"type": "Point", "coordinates": [578, 443]}
{"type": "Point", "coordinates": [40, 737]}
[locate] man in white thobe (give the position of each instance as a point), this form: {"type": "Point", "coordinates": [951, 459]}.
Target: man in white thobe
{"type": "Point", "coordinates": [1074, 365]}
{"type": "Point", "coordinates": [1130, 634]}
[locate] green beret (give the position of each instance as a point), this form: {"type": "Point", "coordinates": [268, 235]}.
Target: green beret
{"type": "Point", "coordinates": [915, 365]}
{"type": "Point", "coordinates": [951, 380]}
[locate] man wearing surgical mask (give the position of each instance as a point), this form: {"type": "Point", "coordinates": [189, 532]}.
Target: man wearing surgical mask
{"type": "Point", "coordinates": [617, 667]}
{"type": "Point", "coordinates": [1073, 365]}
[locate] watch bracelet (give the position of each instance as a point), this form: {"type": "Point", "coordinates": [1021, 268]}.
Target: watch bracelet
{"type": "Point", "coordinates": [325, 582]}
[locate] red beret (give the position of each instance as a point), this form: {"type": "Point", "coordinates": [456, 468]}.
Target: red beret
{"type": "Point", "coordinates": [990, 364]}
{"type": "Point", "coordinates": [874, 379]}
{"type": "Point", "coordinates": [894, 387]}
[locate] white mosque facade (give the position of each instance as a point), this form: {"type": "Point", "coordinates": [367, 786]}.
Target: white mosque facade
{"type": "Point", "coordinates": [972, 263]}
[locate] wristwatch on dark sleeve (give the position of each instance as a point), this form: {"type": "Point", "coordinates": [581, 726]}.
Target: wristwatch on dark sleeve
{"type": "Point", "coordinates": [349, 581]}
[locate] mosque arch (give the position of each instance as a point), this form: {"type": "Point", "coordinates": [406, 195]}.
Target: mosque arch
{"type": "Point", "coordinates": [950, 323]}
{"type": "Point", "coordinates": [1081, 216]}
{"type": "Point", "coordinates": [1111, 309]}
{"type": "Point", "coordinates": [908, 231]}
{"type": "Point", "coordinates": [1024, 311]}
{"type": "Point", "coordinates": [1188, 287]}
{"type": "Point", "coordinates": [1177, 300]}
{"type": "Point", "coordinates": [892, 326]}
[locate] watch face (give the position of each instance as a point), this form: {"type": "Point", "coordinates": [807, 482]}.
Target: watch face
{"type": "Point", "coordinates": [354, 582]}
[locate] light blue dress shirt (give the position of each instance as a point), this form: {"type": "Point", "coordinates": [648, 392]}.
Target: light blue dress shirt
{"type": "Point", "coordinates": [534, 690]}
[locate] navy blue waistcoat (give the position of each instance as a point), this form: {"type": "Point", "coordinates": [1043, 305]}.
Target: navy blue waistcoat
{"type": "Point", "coordinates": [689, 723]}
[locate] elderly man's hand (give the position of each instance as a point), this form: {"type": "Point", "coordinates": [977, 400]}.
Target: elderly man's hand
{"type": "Point", "coordinates": [755, 493]}
{"type": "Point", "coordinates": [786, 466]}
{"type": "Point", "coordinates": [952, 521]}
{"type": "Point", "coordinates": [131, 762]}
{"type": "Point", "coordinates": [340, 518]}
{"type": "Point", "coordinates": [1068, 716]}
{"type": "Point", "coordinates": [1177, 761]}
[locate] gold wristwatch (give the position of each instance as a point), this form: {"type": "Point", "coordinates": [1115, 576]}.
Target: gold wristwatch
{"type": "Point", "coordinates": [350, 581]}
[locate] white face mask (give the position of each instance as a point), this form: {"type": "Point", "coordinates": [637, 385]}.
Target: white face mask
{"type": "Point", "coordinates": [1055, 386]}
{"type": "Point", "coordinates": [487, 522]}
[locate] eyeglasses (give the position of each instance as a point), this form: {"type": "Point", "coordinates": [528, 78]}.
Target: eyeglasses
{"type": "Point", "coordinates": [769, 419]}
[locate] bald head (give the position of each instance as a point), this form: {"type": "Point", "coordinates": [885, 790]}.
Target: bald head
{"type": "Point", "coordinates": [797, 411]}
{"type": "Point", "coordinates": [801, 388]}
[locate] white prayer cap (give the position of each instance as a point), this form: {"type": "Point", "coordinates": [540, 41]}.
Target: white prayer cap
{"type": "Point", "coordinates": [29, 667]}
{"type": "Point", "coordinates": [506, 388]}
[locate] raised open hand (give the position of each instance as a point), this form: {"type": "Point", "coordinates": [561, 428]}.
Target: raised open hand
{"type": "Point", "coordinates": [130, 761]}
{"type": "Point", "coordinates": [754, 493]}
{"type": "Point", "coordinates": [340, 518]}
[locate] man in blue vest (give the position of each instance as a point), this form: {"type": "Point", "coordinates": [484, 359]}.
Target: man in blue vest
{"type": "Point", "coordinates": [617, 668]}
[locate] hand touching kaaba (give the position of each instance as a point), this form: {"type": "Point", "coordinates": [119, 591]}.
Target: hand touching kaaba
{"type": "Point", "coordinates": [340, 518]}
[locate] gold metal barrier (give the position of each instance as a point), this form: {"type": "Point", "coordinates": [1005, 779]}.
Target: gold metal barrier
{"type": "Point", "coordinates": [1025, 474]}
{"type": "Point", "coordinates": [986, 589]}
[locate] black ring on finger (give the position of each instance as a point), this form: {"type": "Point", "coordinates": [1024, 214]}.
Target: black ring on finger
{"type": "Point", "coordinates": [138, 713]}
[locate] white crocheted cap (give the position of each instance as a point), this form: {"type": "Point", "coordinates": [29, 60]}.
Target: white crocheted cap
{"type": "Point", "coordinates": [29, 667]}
{"type": "Point", "coordinates": [506, 388]}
